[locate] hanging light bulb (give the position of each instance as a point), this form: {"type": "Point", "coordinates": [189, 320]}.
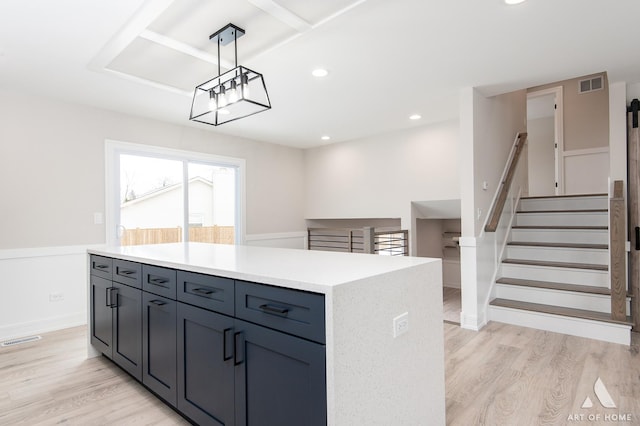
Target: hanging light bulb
{"type": "Point", "coordinates": [233, 92]}
{"type": "Point", "coordinates": [222, 99]}
{"type": "Point", "coordinates": [245, 86]}
{"type": "Point", "coordinates": [212, 100]}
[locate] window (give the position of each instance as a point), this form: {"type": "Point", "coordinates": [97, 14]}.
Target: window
{"type": "Point", "coordinates": [158, 195]}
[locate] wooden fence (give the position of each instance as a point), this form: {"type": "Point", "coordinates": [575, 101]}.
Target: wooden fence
{"type": "Point", "coordinates": [202, 234]}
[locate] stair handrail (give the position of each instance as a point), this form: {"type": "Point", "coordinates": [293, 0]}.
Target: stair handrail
{"type": "Point", "coordinates": [505, 184]}
{"type": "Point", "coordinates": [617, 253]}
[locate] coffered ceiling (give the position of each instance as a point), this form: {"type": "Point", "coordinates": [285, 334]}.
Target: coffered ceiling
{"type": "Point", "coordinates": [386, 59]}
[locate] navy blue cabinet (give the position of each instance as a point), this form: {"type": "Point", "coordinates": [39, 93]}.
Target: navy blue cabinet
{"type": "Point", "coordinates": [222, 352]}
{"type": "Point", "coordinates": [127, 329]}
{"type": "Point", "coordinates": [116, 317]}
{"type": "Point", "coordinates": [101, 314]}
{"type": "Point", "coordinates": [159, 346]}
{"type": "Point", "coordinates": [279, 378]}
{"type": "Point", "coordinates": [205, 366]}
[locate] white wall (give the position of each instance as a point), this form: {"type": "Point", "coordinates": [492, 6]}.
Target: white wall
{"type": "Point", "coordinates": [488, 128]}
{"type": "Point", "coordinates": [378, 177]}
{"type": "Point", "coordinates": [52, 180]}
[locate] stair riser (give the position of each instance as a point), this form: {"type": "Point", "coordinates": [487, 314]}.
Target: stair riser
{"type": "Point", "coordinates": [562, 219]}
{"type": "Point", "coordinates": [578, 236]}
{"type": "Point", "coordinates": [567, 299]}
{"type": "Point", "coordinates": [556, 254]}
{"type": "Point", "coordinates": [614, 333]}
{"type": "Point", "coordinates": [562, 275]}
{"type": "Point", "coordinates": [570, 203]}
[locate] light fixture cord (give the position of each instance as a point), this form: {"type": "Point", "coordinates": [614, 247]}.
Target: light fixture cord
{"type": "Point", "coordinates": [219, 55]}
{"type": "Point", "coordinates": [235, 46]}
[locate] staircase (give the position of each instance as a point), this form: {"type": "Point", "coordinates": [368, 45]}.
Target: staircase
{"type": "Point", "coordinates": [555, 272]}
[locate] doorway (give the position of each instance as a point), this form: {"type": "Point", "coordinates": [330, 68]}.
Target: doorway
{"type": "Point", "coordinates": [545, 142]}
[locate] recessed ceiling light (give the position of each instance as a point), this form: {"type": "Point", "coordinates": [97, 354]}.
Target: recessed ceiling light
{"type": "Point", "coordinates": [514, 1]}
{"type": "Point", "coordinates": [320, 72]}
{"type": "Point", "coordinates": [415, 117]}
{"type": "Point", "coordinates": [325, 138]}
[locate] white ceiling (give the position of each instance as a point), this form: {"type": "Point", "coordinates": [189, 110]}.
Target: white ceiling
{"type": "Point", "coordinates": [387, 59]}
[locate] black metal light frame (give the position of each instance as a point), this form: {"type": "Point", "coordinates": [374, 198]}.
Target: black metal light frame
{"type": "Point", "coordinates": [239, 79]}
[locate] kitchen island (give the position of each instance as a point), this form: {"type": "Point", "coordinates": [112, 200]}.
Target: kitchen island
{"type": "Point", "coordinates": [343, 338]}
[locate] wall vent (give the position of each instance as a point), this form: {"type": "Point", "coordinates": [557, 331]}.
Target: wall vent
{"type": "Point", "coordinates": [591, 84]}
{"type": "Point", "coordinates": [20, 340]}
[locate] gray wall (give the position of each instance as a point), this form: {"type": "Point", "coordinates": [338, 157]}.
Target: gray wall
{"type": "Point", "coordinates": [52, 170]}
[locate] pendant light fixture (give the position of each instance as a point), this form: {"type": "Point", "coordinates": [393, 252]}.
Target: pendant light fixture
{"type": "Point", "coordinates": [237, 93]}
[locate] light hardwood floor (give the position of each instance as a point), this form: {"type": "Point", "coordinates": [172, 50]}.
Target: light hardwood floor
{"type": "Point", "coordinates": [502, 375]}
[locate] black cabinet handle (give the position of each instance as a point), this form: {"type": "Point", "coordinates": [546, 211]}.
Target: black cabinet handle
{"type": "Point", "coordinates": [204, 291]}
{"type": "Point", "coordinates": [158, 281]}
{"type": "Point", "coordinates": [126, 272]}
{"type": "Point", "coordinates": [158, 302]}
{"type": "Point", "coordinates": [225, 336]}
{"type": "Point", "coordinates": [238, 348]}
{"type": "Point", "coordinates": [101, 266]}
{"type": "Point", "coordinates": [278, 310]}
{"type": "Point", "coordinates": [637, 237]}
{"type": "Point", "coordinates": [112, 302]}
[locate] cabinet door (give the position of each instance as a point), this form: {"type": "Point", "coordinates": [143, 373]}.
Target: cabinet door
{"type": "Point", "coordinates": [159, 346]}
{"type": "Point", "coordinates": [280, 379]}
{"type": "Point", "coordinates": [205, 366]}
{"type": "Point", "coordinates": [127, 329]}
{"type": "Point", "coordinates": [101, 314]}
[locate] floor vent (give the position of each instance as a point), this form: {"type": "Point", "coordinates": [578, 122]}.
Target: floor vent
{"type": "Point", "coordinates": [14, 342]}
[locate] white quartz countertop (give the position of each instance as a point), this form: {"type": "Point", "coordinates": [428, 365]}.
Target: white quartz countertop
{"type": "Point", "coordinates": [317, 271]}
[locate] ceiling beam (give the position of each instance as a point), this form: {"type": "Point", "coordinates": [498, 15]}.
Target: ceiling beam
{"type": "Point", "coordinates": [282, 14]}
{"type": "Point", "coordinates": [184, 48]}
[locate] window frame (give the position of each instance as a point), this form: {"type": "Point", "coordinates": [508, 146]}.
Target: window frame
{"type": "Point", "coordinates": [113, 150]}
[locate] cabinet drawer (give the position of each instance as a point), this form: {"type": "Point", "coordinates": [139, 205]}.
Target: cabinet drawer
{"type": "Point", "coordinates": [101, 266]}
{"type": "Point", "coordinates": [206, 291]}
{"type": "Point", "coordinates": [126, 272]}
{"type": "Point", "coordinates": [295, 312]}
{"type": "Point", "coordinates": [160, 281]}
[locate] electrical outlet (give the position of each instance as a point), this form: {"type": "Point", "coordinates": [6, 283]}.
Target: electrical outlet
{"type": "Point", "coordinates": [56, 297]}
{"type": "Point", "coordinates": [400, 324]}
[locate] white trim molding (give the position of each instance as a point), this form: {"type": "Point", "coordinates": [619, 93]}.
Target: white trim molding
{"type": "Point", "coordinates": [296, 240]}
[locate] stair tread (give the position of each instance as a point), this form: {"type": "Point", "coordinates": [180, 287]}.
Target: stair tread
{"type": "Point", "coordinates": [559, 227]}
{"type": "Point", "coordinates": [551, 197]}
{"type": "Point", "coordinates": [561, 245]}
{"type": "Point", "coordinates": [558, 310]}
{"type": "Point", "coordinates": [554, 285]}
{"type": "Point", "coordinates": [564, 211]}
{"type": "Point", "coordinates": [571, 265]}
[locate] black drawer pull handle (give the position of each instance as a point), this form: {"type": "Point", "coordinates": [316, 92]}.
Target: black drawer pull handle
{"type": "Point", "coordinates": [101, 266]}
{"type": "Point", "coordinates": [274, 309]}
{"type": "Point", "coordinates": [126, 272]}
{"type": "Point", "coordinates": [158, 280]}
{"type": "Point", "coordinates": [204, 291]}
{"type": "Point", "coordinates": [238, 348]}
{"type": "Point", "coordinates": [158, 302]}
{"type": "Point", "coordinates": [225, 336]}
{"type": "Point", "coordinates": [637, 237]}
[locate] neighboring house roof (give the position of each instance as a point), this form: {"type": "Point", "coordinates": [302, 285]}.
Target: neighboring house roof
{"type": "Point", "coordinates": [159, 191]}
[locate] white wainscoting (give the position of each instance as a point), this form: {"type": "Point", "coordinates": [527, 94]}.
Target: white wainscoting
{"type": "Point", "coordinates": [586, 171]}
{"type": "Point", "coordinates": [451, 273]}
{"type": "Point", "coordinates": [30, 277]}
{"type": "Point", "coordinates": [295, 240]}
